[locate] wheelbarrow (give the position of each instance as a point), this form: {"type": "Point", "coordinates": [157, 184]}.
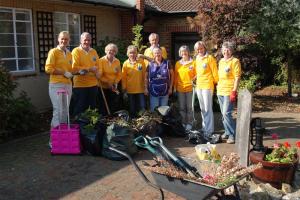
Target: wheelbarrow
{"type": "Point", "coordinates": [185, 188]}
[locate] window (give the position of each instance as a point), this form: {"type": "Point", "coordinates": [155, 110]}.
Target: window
{"type": "Point", "coordinates": [68, 22]}
{"type": "Point", "coordinates": [16, 47]}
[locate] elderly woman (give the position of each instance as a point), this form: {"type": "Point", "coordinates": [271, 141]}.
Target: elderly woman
{"type": "Point", "coordinates": [86, 66]}
{"type": "Point", "coordinates": [59, 66]}
{"type": "Point", "coordinates": [183, 83]}
{"type": "Point", "coordinates": [207, 77]}
{"type": "Point", "coordinates": [229, 77]}
{"type": "Point", "coordinates": [158, 80]}
{"type": "Point", "coordinates": [111, 76]}
{"type": "Point", "coordinates": [133, 76]}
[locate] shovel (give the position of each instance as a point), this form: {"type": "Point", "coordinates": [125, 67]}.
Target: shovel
{"type": "Point", "coordinates": [157, 142]}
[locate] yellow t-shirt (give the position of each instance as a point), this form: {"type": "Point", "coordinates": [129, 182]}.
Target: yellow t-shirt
{"type": "Point", "coordinates": [228, 71]}
{"type": "Point", "coordinates": [111, 72]}
{"type": "Point", "coordinates": [183, 76]}
{"type": "Point", "coordinates": [85, 60]}
{"type": "Point", "coordinates": [133, 76]}
{"type": "Point", "coordinates": [148, 52]}
{"type": "Point", "coordinates": [58, 59]}
{"type": "Point", "coordinates": [207, 72]}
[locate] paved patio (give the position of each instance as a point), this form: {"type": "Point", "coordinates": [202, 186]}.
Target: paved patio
{"type": "Point", "coordinates": [28, 171]}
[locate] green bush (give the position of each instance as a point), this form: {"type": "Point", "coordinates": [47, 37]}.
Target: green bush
{"type": "Point", "coordinates": [17, 114]}
{"type": "Point", "coordinates": [122, 47]}
{"type": "Point", "coordinates": [250, 82]}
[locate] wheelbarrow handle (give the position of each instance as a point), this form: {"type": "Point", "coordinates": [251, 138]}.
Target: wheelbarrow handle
{"type": "Point", "coordinates": [138, 170]}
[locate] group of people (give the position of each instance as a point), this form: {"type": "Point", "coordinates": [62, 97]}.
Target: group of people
{"type": "Point", "coordinates": [93, 79]}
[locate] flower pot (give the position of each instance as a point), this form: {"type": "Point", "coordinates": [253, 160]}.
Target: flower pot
{"type": "Point", "coordinates": [273, 172]}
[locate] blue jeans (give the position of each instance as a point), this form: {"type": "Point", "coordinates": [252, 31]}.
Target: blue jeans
{"type": "Point", "coordinates": [226, 108]}
{"type": "Point", "coordinates": [136, 103]}
{"type": "Point", "coordinates": [158, 101]}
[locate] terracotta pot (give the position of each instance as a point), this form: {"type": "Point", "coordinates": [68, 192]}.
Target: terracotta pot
{"type": "Point", "coordinates": [272, 172]}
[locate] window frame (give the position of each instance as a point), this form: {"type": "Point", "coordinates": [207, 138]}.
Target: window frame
{"type": "Point", "coordinates": [67, 23]}
{"type": "Point", "coordinates": [15, 46]}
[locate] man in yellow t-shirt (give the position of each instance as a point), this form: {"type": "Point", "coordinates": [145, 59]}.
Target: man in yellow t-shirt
{"type": "Point", "coordinates": [229, 76]}
{"type": "Point", "coordinates": [207, 77]}
{"type": "Point", "coordinates": [148, 54]}
{"type": "Point", "coordinates": [86, 66]}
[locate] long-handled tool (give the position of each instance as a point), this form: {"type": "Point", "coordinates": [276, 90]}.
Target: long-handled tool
{"type": "Point", "coordinates": [104, 98]}
{"type": "Point", "coordinates": [142, 142]}
{"type": "Point", "coordinates": [157, 142]}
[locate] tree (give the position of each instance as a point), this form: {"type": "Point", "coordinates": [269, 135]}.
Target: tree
{"type": "Point", "coordinates": [138, 38]}
{"type": "Point", "coordinates": [277, 24]}
{"type": "Point", "coordinates": [220, 20]}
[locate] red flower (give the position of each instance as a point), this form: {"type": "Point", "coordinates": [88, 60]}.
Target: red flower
{"type": "Point", "coordinates": [286, 144]}
{"type": "Point", "coordinates": [274, 136]}
{"type": "Point", "coordinates": [298, 144]}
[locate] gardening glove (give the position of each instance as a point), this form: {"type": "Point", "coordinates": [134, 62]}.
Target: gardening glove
{"type": "Point", "coordinates": [83, 71]}
{"type": "Point", "coordinates": [68, 75]}
{"type": "Point", "coordinates": [233, 96]}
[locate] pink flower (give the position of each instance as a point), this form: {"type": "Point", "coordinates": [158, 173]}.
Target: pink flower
{"type": "Point", "coordinates": [276, 145]}
{"type": "Point", "coordinates": [274, 136]}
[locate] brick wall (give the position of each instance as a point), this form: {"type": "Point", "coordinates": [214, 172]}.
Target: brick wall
{"type": "Point", "coordinates": [165, 26]}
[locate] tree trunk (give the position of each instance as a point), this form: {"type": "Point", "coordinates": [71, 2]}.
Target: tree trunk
{"type": "Point", "coordinates": [289, 78]}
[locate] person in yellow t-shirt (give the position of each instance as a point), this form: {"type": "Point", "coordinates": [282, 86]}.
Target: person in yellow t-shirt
{"type": "Point", "coordinates": [111, 76]}
{"type": "Point", "coordinates": [207, 77]}
{"type": "Point", "coordinates": [229, 78]}
{"type": "Point", "coordinates": [184, 74]}
{"type": "Point", "coordinates": [148, 54]}
{"type": "Point", "coordinates": [133, 76]}
{"type": "Point", "coordinates": [86, 66]}
{"type": "Point", "coordinates": [59, 66]}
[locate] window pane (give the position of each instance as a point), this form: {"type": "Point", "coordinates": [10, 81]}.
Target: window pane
{"type": "Point", "coordinates": [74, 29]}
{"type": "Point", "coordinates": [23, 27]}
{"type": "Point", "coordinates": [24, 40]}
{"type": "Point", "coordinates": [6, 27]}
{"type": "Point", "coordinates": [10, 65]}
{"type": "Point", "coordinates": [60, 17]}
{"type": "Point", "coordinates": [59, 27]}
{"type": "Point", "coordinates": [7, 40]}
{"type": "Point", "coordinates": [24, 52]}
{"type": "Point", "coordinates": [73, 19]}
{"type": "Point", "coordinates": [6, 14]}
{"type": "Point", "coordinates": [74, 40]}
{"type": "Point", "coordinates": [7, 52]}
{"type": "Point", "coordinates": [22, 15]}
{"type": "Point", "coordinates": [25, 64]}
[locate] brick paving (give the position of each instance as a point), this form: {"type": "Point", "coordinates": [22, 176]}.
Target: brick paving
{"type": "Point", "coordinates": [28, 171]}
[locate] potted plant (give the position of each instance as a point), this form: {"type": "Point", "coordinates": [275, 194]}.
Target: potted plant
{"type": "Point", "coordinates": [279, 163]}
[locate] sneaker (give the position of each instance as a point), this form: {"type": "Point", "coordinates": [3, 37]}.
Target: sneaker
{"type": "Point", "coordinates": [184, 125]}
{"type": "Point", "coordinates": [188, 127]}
{"type": "Point", "coordinates": [224, 136]}
{"type": "Point", "coordinates": [230, 140]}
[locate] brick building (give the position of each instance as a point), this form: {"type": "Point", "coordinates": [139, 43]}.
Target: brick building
{"type": "Point", "coordinates": [29, 28]}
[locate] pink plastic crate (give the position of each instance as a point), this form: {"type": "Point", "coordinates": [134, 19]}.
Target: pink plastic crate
{"type": "Point", "coordinates": [65, 140]}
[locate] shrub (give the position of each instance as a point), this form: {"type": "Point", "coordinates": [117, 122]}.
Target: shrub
{"type": "Point", "coordinates": [122, 47]}
{"type": "Point", "coordinates": [250, 82]}
{"type": "Point", "coordinates": [17, 114]}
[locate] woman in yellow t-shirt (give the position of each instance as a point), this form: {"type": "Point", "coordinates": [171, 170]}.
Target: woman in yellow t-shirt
{"type": "Point", "coordinates": [111, 76]}
{"type": "Point", "coordinates": [133, 76]}
{"type": "Point", "coordinates": [183, 84]}
{"type": "Point", "coordinates": [229, 77]}
{"type": "Point", "coordinates": [207, 77]}
{"type": "Point", "coordinates": [59, 66]}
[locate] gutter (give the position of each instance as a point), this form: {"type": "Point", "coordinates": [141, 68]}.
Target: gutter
{"type": "Point", "coordinates": [102, 4]}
